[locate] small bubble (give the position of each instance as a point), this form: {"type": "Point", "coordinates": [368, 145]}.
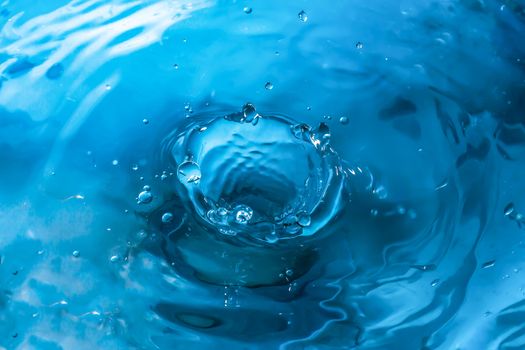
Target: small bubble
{"type": "Point", "coordinates": [343, 120]}
{"type": "Point", "coordinates": [247, 10]}
{"type": "Point", "coordinates": [303, 17]}
{"type": "Point", "coordinates": [374, 212]}
{"type": "Point", "coordinates": [268, 85]}
{"type": "Point", "coordinates": [163, 177]}
{"type": "Point", "coordinates": [146, 188]}
{"type": "Point", "coordinates": [135, 167]}
{"type": "Point", "coordinates": [113, 258]}
{"type": "Point", "coordinates": [144, 197]}
{"type": "Point", "coordinates": [359, 45]}
{"type": "Point", "coordinates": [108, 87]}
{"type": "Point", "coordinates": [289, 272]}
{"type": "Point", "coordinates": [434, 282]}
{"type": "Point", "coordinates": [176, 66]}
{"type": "Point", "coordinates": [114, 162]}
{"type": "Point", "coordinates": [76, 253]}
{"type": "Point", "coordinates": [243, 214]}
{"type": "Point", "coordinates": [145, 121]}
{"type": "Point", "coordinates": [189, 172]}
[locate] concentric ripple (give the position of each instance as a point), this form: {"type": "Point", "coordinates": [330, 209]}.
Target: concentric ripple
{"type": "Point", "coordinates": [257, 177]}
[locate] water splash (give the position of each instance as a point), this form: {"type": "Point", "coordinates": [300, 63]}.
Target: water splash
{"type": "Point", "coordinates": [264, 178]}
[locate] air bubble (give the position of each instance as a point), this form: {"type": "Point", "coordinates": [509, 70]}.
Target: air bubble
{"type": "Point", "coordinates": [247, 10]}
{"type": "Point", "coordinates": [268, 86]}
{"type": "Point", "coordinates": [76, 253]}
{"type": "Point", "coordinates": [343, 120]}
{"type": "Point", "coordinates": [359, 45]}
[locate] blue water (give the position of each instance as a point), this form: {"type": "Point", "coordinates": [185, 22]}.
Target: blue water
{"type": "Point", "coordinates": [262, 174]}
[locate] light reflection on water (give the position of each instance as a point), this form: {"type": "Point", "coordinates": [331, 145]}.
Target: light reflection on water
{"type": "Point", "coordinates": [423, 102]}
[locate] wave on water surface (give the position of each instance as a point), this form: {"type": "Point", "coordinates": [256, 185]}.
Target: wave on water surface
{"type": "Point", "coordinates": [369, 196]}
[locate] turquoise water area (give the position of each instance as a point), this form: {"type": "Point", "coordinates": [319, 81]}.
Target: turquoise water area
{"type": "Point", "coordinates": [262, 174]}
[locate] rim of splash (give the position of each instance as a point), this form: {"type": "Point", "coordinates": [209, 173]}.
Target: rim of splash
{"type": "Point", "coordinates": [256, 177]}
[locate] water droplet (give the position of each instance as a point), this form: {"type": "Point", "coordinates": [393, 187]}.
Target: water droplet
{"type": "Point", "coordinates": [247, 10]}
{"type": "Point", "coordinates": [145, 121]}
{"type": "Point", "coordinates": [167, 217]}
{"type": "Point", "coordinates": [299, 130]}
{"type": "Point", "coordinates": [144, 197]}
{"type": "Point", "coordinates": [114, 162]}
{"type": "Point", "coordinates": [343, 120]}
{"type": "Point", "coordinates": [303, 219]}
{"type": "Point", "coordinates": [303, 17]}
{"type": "Point", "coordinates": [509, 210]}
{"type": "Point", "coordinates": [359, 45]}
{"type": "Point", "coordinates": [268, 85]}
{"type": "Point", "coordinates": [243, 214]}
{"type": "Point", "coordinates": [293, 229]}
{"type": "Point", "coordinates": [488, 264]}
{"type": "Point", "coordinates": [320, 136]}
{"type": "Point", "coordinates": [76, 253]}
{"type": "Point", "coordinates": [249, 113]}
{"type": "Point", "coordinates": [430, 267]}
{"type": "Point", "coordinates": [189, 172]}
